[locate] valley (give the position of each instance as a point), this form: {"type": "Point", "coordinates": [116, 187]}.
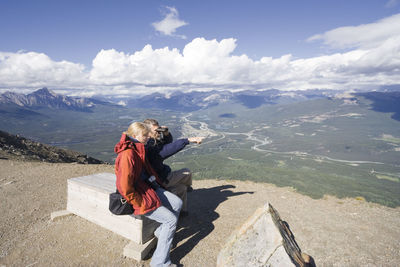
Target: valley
{"type": "Point", "coordinates": [319, 146]}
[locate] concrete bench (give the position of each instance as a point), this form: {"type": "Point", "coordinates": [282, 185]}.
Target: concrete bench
{"type": "Point", "coordinates": [88, 197]}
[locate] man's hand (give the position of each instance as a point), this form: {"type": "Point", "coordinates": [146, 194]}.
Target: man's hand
{"type": "Point", "coordinates": [197, 140]}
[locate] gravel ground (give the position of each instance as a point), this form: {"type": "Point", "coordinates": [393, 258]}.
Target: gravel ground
{"type": "Point", "coordinates": [336, 232]}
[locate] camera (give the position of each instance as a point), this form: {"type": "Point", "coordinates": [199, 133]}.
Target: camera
{"type": "Point", "coordinates": [162, 131]}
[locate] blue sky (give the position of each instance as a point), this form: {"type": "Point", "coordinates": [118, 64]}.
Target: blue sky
{"type": "Point", "coordinates": [126, 47]}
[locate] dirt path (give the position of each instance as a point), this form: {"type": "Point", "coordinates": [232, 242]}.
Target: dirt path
{"type": "Point", "coordinates": [336, 232]}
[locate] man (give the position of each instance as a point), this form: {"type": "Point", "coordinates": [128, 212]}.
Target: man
{"type": "Point", "coordinates": [160, 147]}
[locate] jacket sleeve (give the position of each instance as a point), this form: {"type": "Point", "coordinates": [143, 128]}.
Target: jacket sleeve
{"type": "Point", "coordinates": [127, 180]}
{"type": "Point", "coordinates": [172, 148]}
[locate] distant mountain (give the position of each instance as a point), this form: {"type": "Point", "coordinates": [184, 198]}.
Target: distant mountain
{"type": "Point", "coordinates": [177, 100]}
{"type": "Point", "coordinates": [254, 99]}
{"type": "Point", "coordinates": [181, 101]}
{"type": "Point", "coordinates": [19, 148]}
{"type": "Point", "coordinates": [195, 100]}
{"type": "Point", "coordinates": [388, 102]}
{"type": "Point", "coordinates": [47, 98]}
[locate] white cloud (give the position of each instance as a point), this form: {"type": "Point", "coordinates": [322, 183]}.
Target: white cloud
{"type": "Point", "coordinates": [211, 64]}
{"type": "Point", "coordinates": [202, 62]}
{"type": "Point", "coordinates": [361, 36]}
{"type": "Point", "coordinates": [170, 23]}
{"type": "Point", "coordinates": [30, 69]}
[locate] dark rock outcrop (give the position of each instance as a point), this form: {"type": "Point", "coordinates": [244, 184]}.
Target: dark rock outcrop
{"type": "Point", "coordinates": [19, 148]}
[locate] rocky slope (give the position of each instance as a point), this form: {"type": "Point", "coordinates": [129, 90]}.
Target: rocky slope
{"type": "Point", "coordinates": [19, 148]}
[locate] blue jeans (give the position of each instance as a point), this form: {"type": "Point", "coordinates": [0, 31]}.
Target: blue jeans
{"type": "Point", "coordinates": [167, 215]}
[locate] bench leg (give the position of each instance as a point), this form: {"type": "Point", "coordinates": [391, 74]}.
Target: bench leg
{"type": "Point", "coordinates": [139, 251]}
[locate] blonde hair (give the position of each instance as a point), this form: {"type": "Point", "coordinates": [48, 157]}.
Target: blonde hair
{"type": "Point", "coordinates": [137, 128]}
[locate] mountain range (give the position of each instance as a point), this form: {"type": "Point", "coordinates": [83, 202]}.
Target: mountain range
{"type": "Point", "coordinates": [176, 101]}
{"type": "Point", "coordinates": [48, 98]}
{"type": "Point", "coordinates": [25, 105]}
{"type": "Point", "coordinates": [196, 100]}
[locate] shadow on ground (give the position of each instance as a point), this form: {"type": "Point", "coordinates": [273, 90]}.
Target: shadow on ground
{"type": "Point", "coordinates": [202, 204]}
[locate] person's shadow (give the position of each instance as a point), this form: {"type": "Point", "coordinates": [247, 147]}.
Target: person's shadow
{"type": "Point", "coordinates": [199, 223]}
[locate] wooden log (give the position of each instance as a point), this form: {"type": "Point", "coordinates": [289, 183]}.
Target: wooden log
{"type": "Point", "coordinates": [292, 248]}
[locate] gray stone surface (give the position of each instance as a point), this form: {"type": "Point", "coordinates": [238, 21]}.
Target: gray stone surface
{"type": "Point", "coordinates": [88, 197]}
{"type": "Point", "coordinates": [139, 251]}
{"type": "Point", "coordinates": [256, 243]}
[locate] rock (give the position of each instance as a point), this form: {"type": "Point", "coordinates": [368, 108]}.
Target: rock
{"type": "Point", "coordinates": [259, 242]}
{"type": "Point", "coordinates": [19, 148]}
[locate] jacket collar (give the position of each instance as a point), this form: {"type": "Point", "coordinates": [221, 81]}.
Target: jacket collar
{"type": "Point", "coordinates": [127, 142]}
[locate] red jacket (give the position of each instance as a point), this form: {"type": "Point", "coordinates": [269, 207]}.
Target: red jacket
{"type": "Point", "coordinates": [128, 167]}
